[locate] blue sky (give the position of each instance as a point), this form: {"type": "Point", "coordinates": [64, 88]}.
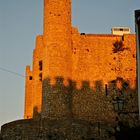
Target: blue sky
{"type": "Point", "coordinates": [21, 21]}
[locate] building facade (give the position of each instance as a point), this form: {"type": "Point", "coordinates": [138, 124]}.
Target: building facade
{"type": "Point", "coordinates": [82, 86]}
{"type": "Point", "coordinates": [80, 66]}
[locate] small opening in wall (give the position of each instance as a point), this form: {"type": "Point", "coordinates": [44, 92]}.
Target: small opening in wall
{"type": "Point", "coordinates": [30, 78]}
{"type": "Point", "coordinates": [122, 38]}
{"type": "Point", "coordinates": [82, 33]}
{"type": "Point", "coordinates": [106, 92]}
{"type": "Point", "coordinates": [40, 65]}
{"type": "Point", "coordinates": [87, 50]}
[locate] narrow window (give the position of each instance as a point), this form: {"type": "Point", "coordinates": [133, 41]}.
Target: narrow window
{"type": "Point", "coordinates": [106, 92]}
{"type": "Point", "coordinates": [122, 38]}
{"type": "Point", "coordinates": [40, 65]}
{"type": "Point", "coordinates": [30, 78]}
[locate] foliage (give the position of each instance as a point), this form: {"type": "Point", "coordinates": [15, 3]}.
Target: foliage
{"type": "Point", "coordinates": [118, 46]}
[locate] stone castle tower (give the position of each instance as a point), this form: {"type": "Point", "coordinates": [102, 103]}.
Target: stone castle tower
{"type": "Point", "coordinates": [80, 84]}
{"type": "Point", "coordinates": [66, 63]}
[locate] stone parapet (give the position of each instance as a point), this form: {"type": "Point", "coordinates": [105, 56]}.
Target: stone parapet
{"type": "Point", "coordinates": [60, 130]}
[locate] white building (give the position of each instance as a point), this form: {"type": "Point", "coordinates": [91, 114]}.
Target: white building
{"type": "Point", "coordinates": [120, 30]}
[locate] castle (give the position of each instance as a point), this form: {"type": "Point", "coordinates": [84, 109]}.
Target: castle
{"type": "Point", "coordinates": [91, 59]}
{"type": "Point", "coordinates": [90, 78]}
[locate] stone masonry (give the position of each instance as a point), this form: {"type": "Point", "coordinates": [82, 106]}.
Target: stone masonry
{"type": "Point", "coordinates": [75, 80]}
{"type": "Point", "coordinates": [63, 52]}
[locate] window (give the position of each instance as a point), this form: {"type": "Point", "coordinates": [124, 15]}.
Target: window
{"type": "Point", "coordinates": [106, 92]}
{"type": "Point", "coordinates": [30, 78]}
{"type": "Point", "coordinates": [122, 38]}
{"type": "Point", "coordinates": [40, 65]}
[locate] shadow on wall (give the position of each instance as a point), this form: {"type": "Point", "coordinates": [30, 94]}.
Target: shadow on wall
{"type": "Point", "coordinates": [36, 114]}
{"type": "Point", "coordinates": [93, 105]}
{"type": "Point", "coordinates": [85, 113]}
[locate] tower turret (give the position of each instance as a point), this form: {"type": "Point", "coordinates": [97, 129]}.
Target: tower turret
{"type": "Point", "coordinates": [57, 38]}
{"type": "Point", "coordinates": [57, 56]}
{"type": "Point", "coordinates": [57, 22]}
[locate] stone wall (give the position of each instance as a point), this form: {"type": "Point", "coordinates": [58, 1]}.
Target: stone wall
{"type": "Point", "coordinates": [37, 75]}
{"type": "Point", "coordinates": [33, 85]}
{"type": "Point", "coordinates": [92, 105]}
{"type": "Point", "coordinates": [95, 65]}
{"type": "Point", "coordinates": [18, 130]}
{"type": "Point", "coordinates": [60, 130]}
{"type": "Point", "coordinates": [75, 81]}
{"type": "Point", "coordinates": [100, 73]}
{"type": "Point", "coordinates": [28, 106]}
{"type": "Point", "coordinates": [94, 58]}
{"type": "Point", "coordinates": [81, 74]}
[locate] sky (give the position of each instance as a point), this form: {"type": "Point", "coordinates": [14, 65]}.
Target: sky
{"type": "Point", "coordinates": [22, 20]}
